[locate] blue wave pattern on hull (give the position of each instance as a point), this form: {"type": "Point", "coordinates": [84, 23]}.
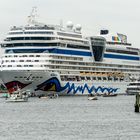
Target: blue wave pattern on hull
{"type": "Point", "coordinates": [86, 88]}
{"type": "Point", "coordinates": [72, 88]}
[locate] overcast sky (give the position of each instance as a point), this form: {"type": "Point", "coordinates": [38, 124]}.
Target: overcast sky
{"type": "Point", "coordinates": [121, 16]}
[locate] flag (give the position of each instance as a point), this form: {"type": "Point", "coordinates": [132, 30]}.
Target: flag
{"type": "Point", "coordinates": [115, 38]}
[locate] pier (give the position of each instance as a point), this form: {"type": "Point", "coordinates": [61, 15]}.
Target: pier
{"type": "Point", "coordinates": [137, 102]}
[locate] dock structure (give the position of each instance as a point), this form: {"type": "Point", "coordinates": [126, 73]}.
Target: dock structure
{"type": "Point", "coordinates": [137, 103]}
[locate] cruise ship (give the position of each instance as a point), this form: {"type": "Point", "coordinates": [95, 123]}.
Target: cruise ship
{"type": "Point", "coordinates": [44, 58]}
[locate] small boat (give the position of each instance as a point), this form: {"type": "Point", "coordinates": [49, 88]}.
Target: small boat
{"type": "Point", "coordinates": [109, 95]}
{"type": "Point", "coordinates": [3, 95]}
{"type": "Point", "coordinates": [92, 98]}
{"type": "Point", "coordinates": [49, 96]}
{"type": "Point", "coordinates": [17, 96]}
{"type": "Point", "coordinates": [44, 97]}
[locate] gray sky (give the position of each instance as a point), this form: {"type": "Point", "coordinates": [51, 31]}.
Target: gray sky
{"type": "Point", "coordinates": [116, 15]}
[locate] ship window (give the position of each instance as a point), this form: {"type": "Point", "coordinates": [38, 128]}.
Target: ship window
{"type": "Point", "coordinates": [88, 78]}
{"type": "Point", "coordinates": [109, 78]}
{"type": "Point", "coordinates": [104, 78]}
{"type": "Point", "coordinates": [82, 78]}
{"type": "Point", "coordinates": [12, 60]}
{"type": "Point", "coordinates": [28, 60]}
{"type": "Point", "coordinates": [31, 55]}
{"type": "Point", "coordinates": [24, 56]}
{"type": "Point", "coordinates": [121, 79]}
{"type": "Point", "coordinates": [99, 78]}
{"type": "Point", "coordinates": [9, 65]}
{"type": "Point", "coordinates": [36, 60]}
{"type": "Point", "coordinates": [21, 60]}
{"type": "Point", "coordinates": [115, 79]}
{"type": "Point", "coordinates": [94, 78]}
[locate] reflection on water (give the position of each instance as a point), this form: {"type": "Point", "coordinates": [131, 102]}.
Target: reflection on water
{"type": "Point", "coordinates": [70, 118]}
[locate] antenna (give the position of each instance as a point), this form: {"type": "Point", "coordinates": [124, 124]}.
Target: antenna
{"type": "Point", "coordinates": [32, 17]}
{"type": "Point", "coordinates": [61, 23]}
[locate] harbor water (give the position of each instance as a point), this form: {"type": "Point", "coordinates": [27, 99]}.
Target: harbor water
{"type": "Point", "coordinates": [70, 118]}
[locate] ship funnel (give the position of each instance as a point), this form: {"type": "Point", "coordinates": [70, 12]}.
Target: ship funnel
{"type": "Point", "coordinates": [104, 32]}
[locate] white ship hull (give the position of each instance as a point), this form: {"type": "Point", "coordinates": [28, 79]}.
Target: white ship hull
{"type": "Point", "coordinates": [43, 82]}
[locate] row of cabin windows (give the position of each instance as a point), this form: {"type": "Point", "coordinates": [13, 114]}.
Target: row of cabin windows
{"type": "Point", "coordinates": [41, 50]}
{"type": "Point", "coordinates": [134, 84]}
{"type": "Point", "coordinates": [82, 63]}
{"type": "Point", "coordinates": [23, 56]}
{"type": "Point", "coordinates": [60, 67]}
{"type": "Point", "coordinates": [114, 65]}
{"type": "Point", "coordinates": [119, 43]}
{"type": "Point", "coordinates": [78, 47]}
{"type": "Point", "coordinates": [90, 69]}
{"type": "Point", "coordinates": [34, 77]}
{"type": "Point", "coordinates": [52, 61]}
{"type": "Point", "coordinates": [45, 27]}
{"type": "Point", "coordinates": [30, 38]}
{"type": "Point", "coordinates": [74, 40]}
{"type": "Point", "coordinates": [82, 78]}
{"type": "Point", "coordinates": [22, 61]}
{"type": "Point", "coordinates": [69, 35]}
{"type": "Point", "coordinates": [24, 65]}
{"type": "Point", "coordinates": [54, 57]}
{"type": "Point", "coordinates": [67, 58]}
{"type": "Point", "coordinates": [68, 63]}
{"type": "Point", "coordinates": [122, 51]}
{"type": "Point", "coordinates": [29, 44]}
{"type": "Point", "coordinates": [18, 66]}
{"type": "Point", "coordinates": [31, 33]}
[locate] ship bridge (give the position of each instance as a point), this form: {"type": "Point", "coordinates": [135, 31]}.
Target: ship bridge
{"type": "Point", "coordinates": [98, 47]}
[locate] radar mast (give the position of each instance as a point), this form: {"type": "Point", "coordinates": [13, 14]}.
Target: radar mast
{"type": "Point", "coordinates": [32, 17]}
